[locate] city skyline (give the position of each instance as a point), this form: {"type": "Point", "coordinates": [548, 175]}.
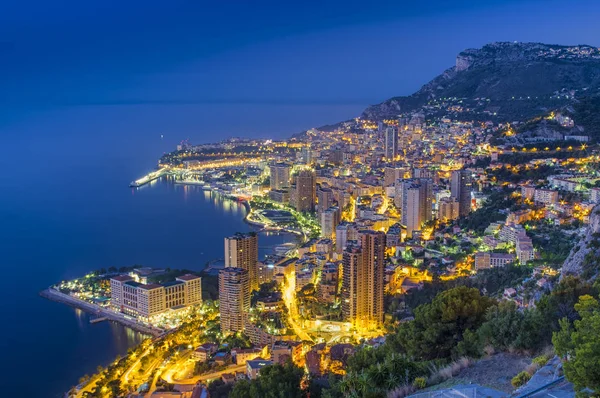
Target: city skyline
{"type": "Point", "coordinates": [300, 199]}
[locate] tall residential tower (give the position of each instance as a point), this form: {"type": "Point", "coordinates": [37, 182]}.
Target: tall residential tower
{"type": "Point", "coordinates": [241, 251]}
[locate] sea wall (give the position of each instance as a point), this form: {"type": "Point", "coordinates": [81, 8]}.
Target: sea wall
{"type": "Point", "coordinates": [55, 295]}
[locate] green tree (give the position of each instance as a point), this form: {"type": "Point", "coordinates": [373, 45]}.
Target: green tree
{"type": "Point", "coordinates": [275, 381]}
{"type": "Point", "coordinates": [507, 327]}
{"type": "Point", "coordinates": [561, 302]}
{"type": "Point", "coordinates": [579, 345]}
{"type": "Point", "coordinates": [439, 326]}
{"type": "Point", "coordinates": [219, 389]}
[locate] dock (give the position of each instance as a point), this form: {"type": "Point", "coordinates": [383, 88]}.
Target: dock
{"type": "Point", "coordinates": [101, 313]}
{"type": "Point", "coordinates": [148, 178]}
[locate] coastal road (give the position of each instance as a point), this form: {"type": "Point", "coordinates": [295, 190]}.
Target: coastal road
{"type": "Point", "coordinates": [209, 376]}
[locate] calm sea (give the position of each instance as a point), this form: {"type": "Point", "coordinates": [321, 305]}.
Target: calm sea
{"type": "Point", "coordinates": [66, 209]}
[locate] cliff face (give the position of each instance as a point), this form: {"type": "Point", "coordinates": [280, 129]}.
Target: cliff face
{"type": "Point", "coordinates": [502, 72]}
{"type": "Point", "coordinates": [588, 248]}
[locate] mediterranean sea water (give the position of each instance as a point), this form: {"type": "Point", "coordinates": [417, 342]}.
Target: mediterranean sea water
{"type": "Point", "coordinates": [66, 209]}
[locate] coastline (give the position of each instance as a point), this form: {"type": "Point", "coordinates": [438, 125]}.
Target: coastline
{"type": "Point", "coordinates": [54, 295]}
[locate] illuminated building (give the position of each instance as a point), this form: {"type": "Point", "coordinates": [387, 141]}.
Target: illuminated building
{"type": "Point", "coordinates": [391, 143]}
{"type": "Point", "coordinates": [234, 298]}
{"type": "Point", "coordinates": [143, 301]}
{"type": "Point", "coordinates": [280, 175]}
{"type": "Point", "coordinates": [305, 191]}
{"type": "Point", "coordinates": [448, 209]}
{"type": "Point", "coordinates": [393, 174]}
{"type": "Point", "coordinates": [279, 195]}
{"type": "Point", "coordinates": [241, 251]}
{"type": "Point", "coordinates": [324, 198]}
{"type": "Point", "coordinates": [484, 260]}
{"type": "Point", "coordinates": [363, 280]}
{"type": "Point", "coordinates": [344, 232]}
{"type": "Point", "coordinates": [460, 189]}
{"type": "Point", "coordinates": [414, 198]}
{"type": "Point", "coordinates": [546, 196]}
{"type": "Point", "coordinates": [329, 219]}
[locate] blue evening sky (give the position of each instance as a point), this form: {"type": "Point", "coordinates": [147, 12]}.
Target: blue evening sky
{"type": "Point", "coordinates": [322, 60]}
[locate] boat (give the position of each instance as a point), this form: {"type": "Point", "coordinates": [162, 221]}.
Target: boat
{"type": "Point", "coordinates": [134, 184]}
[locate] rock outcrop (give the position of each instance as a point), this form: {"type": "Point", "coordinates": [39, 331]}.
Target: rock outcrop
{"type": "Point", "coordinates": [576, 263]}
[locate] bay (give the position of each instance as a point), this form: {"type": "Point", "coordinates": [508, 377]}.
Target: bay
{"type": "Point", "coordinates": [66, 209]}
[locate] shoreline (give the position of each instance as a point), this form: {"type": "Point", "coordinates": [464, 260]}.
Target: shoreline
{"type": "Point", "coordinates": [56, 296]}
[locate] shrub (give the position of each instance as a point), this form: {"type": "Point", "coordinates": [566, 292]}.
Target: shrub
{"type": "Point", "coordinates": [420, 383]}
{"type": "Point", "coordinates": [520, 379]}
{"type": "Point", "coordinates": [541, 360]}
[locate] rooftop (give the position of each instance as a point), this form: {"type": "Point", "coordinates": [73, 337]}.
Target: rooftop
{"type": "Point", "coordinates": [188, 277]}
{"type": "Point", "coordinates": [258, 363]}
{"type": "Point", "coordinates": [122, 278]}
{"type": "Point", "coordinates": [172, 283]}
{"type": "Point", "coordinates": [150, 286]}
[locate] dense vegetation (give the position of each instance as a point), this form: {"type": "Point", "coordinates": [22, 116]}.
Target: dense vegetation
{"type": "Point", "coordinates": [460, 322]}
{"type": "Point", "coordinates": [491, 211]}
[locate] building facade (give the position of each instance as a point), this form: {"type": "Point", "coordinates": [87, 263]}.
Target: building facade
{"type": "Point", "coordinates": [234, 298]}
{"type": "Point", "coordinates": [414, 199]}
{"type": "Point", "coordinates": [363, 280]}
{"type": "Point", "coordinates": [460, 189]}
{"type": "Point", "coordinates": [280, 175]}
{"type": "Point", "coordinates": [144, 301]}
{"type": "Point", "coordinates": [241, 251]}
{"type": "Point", "coordinates": [305, 191]}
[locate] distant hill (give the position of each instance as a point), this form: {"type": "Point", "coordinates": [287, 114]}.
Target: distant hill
{"type": "Point", "coordinates": [510, 81]}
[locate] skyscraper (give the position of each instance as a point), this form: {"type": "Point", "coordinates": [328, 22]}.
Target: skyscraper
{"type": "Point", "coordinates": [280, 175]}
{"type": "Point", "coordinates": [391, 143]}
{"type": "Point", "coordinates": [306, 190]}
{"type": "Point", "coordinates": [363, 280]}
{"type": "Point", "coordinates": [241, 251]}
{"type": "Point", "coordinates": [414, 199]}
{"type": "Point", "coordinates": [234, 298]}
{"type": "Point", "coordinates": [460, 189]}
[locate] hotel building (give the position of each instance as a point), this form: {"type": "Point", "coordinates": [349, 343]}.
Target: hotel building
{"type": "Point", "coordinates": [144, 301]}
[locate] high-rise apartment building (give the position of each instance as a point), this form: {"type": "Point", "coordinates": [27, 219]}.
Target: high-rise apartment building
{"type": "Point", "coordinates": [393, 174]}
{"type": "Point", "coordinates": [460, 189]}
{"type": "Point", "coordinates": [234, 298]}
{"type": "Point", "coordinates": [306, 191]}
{"type": "Point", "coordinates": [391, 143]}
{"type": "Point", "coordinates": [241, 251]}
{"type": "Point", "coordinates": [324, 198]}
{"type": "Point", "coordinates": [414, 199]}
{"type": "Point", "coordinates": [280, 175]}
{"type": "Point", "coordinates": [448, 209]}
{"type": "Point", "coordinates": [344, 232]}
{"type": "Point", "coordinates": [363, 280]}
{"type": "Point", "coordinates": [329, 220]}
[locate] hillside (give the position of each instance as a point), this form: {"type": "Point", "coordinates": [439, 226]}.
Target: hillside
{"type": "Point", "coordinates": [507, 81]}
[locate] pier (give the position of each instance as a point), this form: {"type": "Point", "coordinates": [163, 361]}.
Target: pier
{"type": "Point", "coordinates": [148, 178]}
{"type": "Point", "coordinates": [102, 313]}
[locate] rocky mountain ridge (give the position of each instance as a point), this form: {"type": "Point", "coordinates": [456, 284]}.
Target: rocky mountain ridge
{"type": "Point", "coordinates": [541, 76]}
